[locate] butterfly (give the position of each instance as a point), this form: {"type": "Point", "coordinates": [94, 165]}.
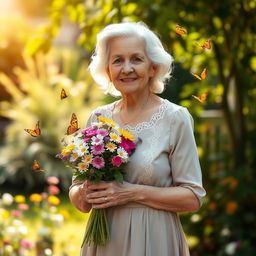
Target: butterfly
{"type": "Point", "coordinates": [63, 94]}
{"type": "Point", "coordinates": [35, 132]}
{"type": "Point", "coordinates": [206, 45]}
{"type": "Point", "coordinates": [201, 98]}
{"type": "Point", "coordinates": [73, 127]}
{"type": "Point", "coordinates": [179, 30]}
{"type": "Point", "coordinates": [202, 76]}
{"type": "Point", "coordinates": [36, 167]}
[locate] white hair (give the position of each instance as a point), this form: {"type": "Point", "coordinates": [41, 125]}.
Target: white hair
{"type": "Point", "coordinates": [155, 51]}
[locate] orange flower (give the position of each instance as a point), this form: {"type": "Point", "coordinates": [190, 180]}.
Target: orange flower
{"type": "Point", "coordinates": [35, 197]}
{"type": "Point", "coordinates": [231, 182]}
{"type": "Point", "coordinates": [54, 200]}
{"type": "Point", "coordinates": [231, 207]}
{"type": "Point", "coordinates": [212, 206]}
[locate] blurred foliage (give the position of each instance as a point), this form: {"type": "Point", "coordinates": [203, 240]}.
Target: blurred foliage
{"type": "Point", "coordinates": [12, 45]}
{"type": "Point", "coordinates": [39, 99]}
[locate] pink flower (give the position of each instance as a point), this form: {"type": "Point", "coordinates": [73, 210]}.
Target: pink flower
{"type": "Point", "coordinates": [16, 214]}
{"type": "Point", "coordinates": [87, 139]}
{"type": "Point", "coordinates": [54, 190]}
{"type": "Point", "coordinates": [98, 149]}
{"type": "Point", "coordinates": [127, 145]}
{"type": "Point", "coordinates": [90, 131]}
{"type": "Point", "coordinates": [52, 180]}
{"type": "Point", "coordinates": [26, 244]}
{"type": "Point", "coordinates": [98, 162]}
{"type": "Point", "coordinates": [23, 207]}
{"type": "Point", "coordinates": [102, 132]}
{"type": "Point", "coordinates": [116, 161]}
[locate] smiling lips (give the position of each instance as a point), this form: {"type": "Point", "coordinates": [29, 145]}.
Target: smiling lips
{"type": "Point", "coordinates": [128, 79]}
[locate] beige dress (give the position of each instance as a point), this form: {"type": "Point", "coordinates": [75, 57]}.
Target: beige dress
{"type": "Point", "coordinates": [167, 156]}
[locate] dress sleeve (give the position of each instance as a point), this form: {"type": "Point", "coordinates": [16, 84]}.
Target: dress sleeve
{"type": "Point", "coordinates": [186, 170]}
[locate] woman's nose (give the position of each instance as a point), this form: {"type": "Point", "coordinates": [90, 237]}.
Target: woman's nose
{"type": "Point", "coordinates": [127, 68]}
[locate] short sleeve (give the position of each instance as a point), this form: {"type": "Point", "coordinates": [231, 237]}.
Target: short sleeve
{"type": "Point", "coordinates": [184, 161]}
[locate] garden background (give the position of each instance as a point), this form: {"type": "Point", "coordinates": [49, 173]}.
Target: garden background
{"type": "Point", "coordinates": [45, 45]}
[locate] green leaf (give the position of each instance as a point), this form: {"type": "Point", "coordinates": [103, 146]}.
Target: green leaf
{"type": "Point", "coordinates": [119, 177]}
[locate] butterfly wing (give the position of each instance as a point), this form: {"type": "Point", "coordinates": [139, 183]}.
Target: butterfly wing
{"type": "Point", "coordinates": [36, 167]}
{"type": "Point", "coordinates": [207, 44]}
{"type": "Point", "coordinates": [35, 132]}
{"type": "Point", "coordinates": [197, 76]}
{"type": "Point", "coordinates": [203, 74]}
{"type": "Point", "coordinates": [73, 127]}
{"type": "Point", "coordinates": [201, 98]}
{"type": "Point", "coordinates": [179, 30]}
{"type": "Point", "coordinates": [63, 94]}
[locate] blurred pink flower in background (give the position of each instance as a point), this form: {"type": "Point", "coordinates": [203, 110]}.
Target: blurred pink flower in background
{"type": "Point", "coordinates": [52, 180]}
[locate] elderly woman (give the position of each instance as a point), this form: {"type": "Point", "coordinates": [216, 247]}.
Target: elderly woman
{"type": "Point", "coordinates": [163, 176]}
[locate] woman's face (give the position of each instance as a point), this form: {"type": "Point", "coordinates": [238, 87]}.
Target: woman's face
{"type": "Point", "coordinates": [129, 68]}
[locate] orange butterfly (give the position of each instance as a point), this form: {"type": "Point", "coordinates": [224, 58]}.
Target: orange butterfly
{"type": "Point", "coordinates": [35, 132]}
{"type": "Point", "coordinates": [179, 30]}
{"type": "Point", "coordinates": [63, 94]}
{"type": "Point", "coordinates": [73, 127]}
{"type": "Point", "coordinates": [206, 45]}
{"type": "Point", "coordinates": [202, 76]}
{"type": "Point", "coordinates": [36, 167]}
{"type": "Point", "coordinates": [201, 98]}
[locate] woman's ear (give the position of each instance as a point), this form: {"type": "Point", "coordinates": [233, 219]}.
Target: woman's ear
{"type": "Point", "coordinates": [108, 73]}
{"type": "Point", "coordinates": [153, 69]}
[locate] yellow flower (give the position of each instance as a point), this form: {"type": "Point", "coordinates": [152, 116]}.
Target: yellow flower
{"type": "Point", "coordinates": [115, 137]}
{"type": "Point", "coordinates": [35, 197]}
{"type": "Point", "coordinates": [105, 120]}
{"type": "Point", "coordinates": [111, 146]}
{"type": "Point", "coordinates": [67, 150]}
{"type": "Point", "coordinates": [65, 214]}
{"type": "Point", "coordinates": [4, 214]}
{"type": "Point", "coordinates": [54, 200]}
{"type": "Point", "coordinates": [19, 199]}
{"type": "Point", "coordinates": [127, 135]}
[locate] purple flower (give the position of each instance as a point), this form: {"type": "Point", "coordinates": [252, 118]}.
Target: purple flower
{"type": "Point", "coordinates": [98, 114]}
{"type": "Point", "coordinates": [98, 149]}
{"type": "Point", "coordinates": [102, 132]}
{"type": "Point", "coordinates": [98, 162]}
{"type": "Point", "coordinates": [90, 131]}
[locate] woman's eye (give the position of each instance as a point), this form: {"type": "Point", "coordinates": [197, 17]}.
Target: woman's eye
{"type": "Point", "coordinates": [116, 61]}
{"type": "Point", "coordinates": [137, 59]}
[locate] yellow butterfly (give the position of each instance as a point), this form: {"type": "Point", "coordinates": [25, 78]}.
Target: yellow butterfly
{"type": "Point", "coordinates": [35, 132]}
{"type": "Point", "coordinates": [206, 45]}
{"type": "Point", "coordinates": [201, 98]}
{"type": "Point", "coordinates": [63, 94]}
{"type": "Point", "coordinates": [202, 76]}
{"type": "Point", "coordinates": [36, 167]}
{"type": "Point", "coordinates": [73, 127]}
{"type": "Point", "coordinates": [179, 30]}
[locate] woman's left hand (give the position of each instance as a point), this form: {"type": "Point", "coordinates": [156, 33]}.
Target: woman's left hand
{"type": "Point", "coordinates": [107, 194]}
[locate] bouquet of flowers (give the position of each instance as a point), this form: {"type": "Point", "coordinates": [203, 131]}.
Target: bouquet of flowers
{"type": "Point", "coordinates": [99, 153]}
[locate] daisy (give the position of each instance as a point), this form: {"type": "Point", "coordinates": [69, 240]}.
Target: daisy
{"type": "Point", "coordinates": [88, 158]}
{"type": "Point", "coordinates": [127, 135]}
{"type": "Point", "coordinates": [122, 153]}
{"type": "Point", "coordinates": [102, 132]}
{"type": "Point", "coordinates": [67, 150]}
{"type": "Point", "coordinates": [73, 157]}
{"type": "Point", "coordinates": [98, 139]}
{"type": "Point", "coordinates": [81, 150]}
{"type": "Point", "coordinates": [115, 137]}
{"type": "Point", "coordinates": [111, 146]}
{"type": "Point", "coordinates": [82, 166]}
{"type": "Point", "coordinates": [98, 162]}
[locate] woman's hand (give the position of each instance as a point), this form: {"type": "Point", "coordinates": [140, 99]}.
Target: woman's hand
{"type": "Point", "coordinates": [107, 194]}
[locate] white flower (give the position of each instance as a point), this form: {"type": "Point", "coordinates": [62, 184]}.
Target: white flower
{"type": "Point", "coordinates": [7, 199]}
{"type": "Point", "coordinates": [230, 248]}
{"type": "Point", "coordinates": [81, 151]}
{"type": "Point", "coordinates": [82, 166]}
{"type": "Point", "coordinates": [9, 249]}
{"type": "Point", "coordinates": [122, 153]}
{"type": "Point", "coordinates": [97, 140]}
{"type": "Point", "coordinates": [57, 219]}
{"type": "Point", "coordinates": [23, 230]}
{"type": "Point", "coordinates": [44, 231]}
{"type": "Point", "coordinates": [73, 157]}
{"type": "Point", "coordinates": [47, 252]}
{"type": "Point", "coordinates": [11, 231]}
